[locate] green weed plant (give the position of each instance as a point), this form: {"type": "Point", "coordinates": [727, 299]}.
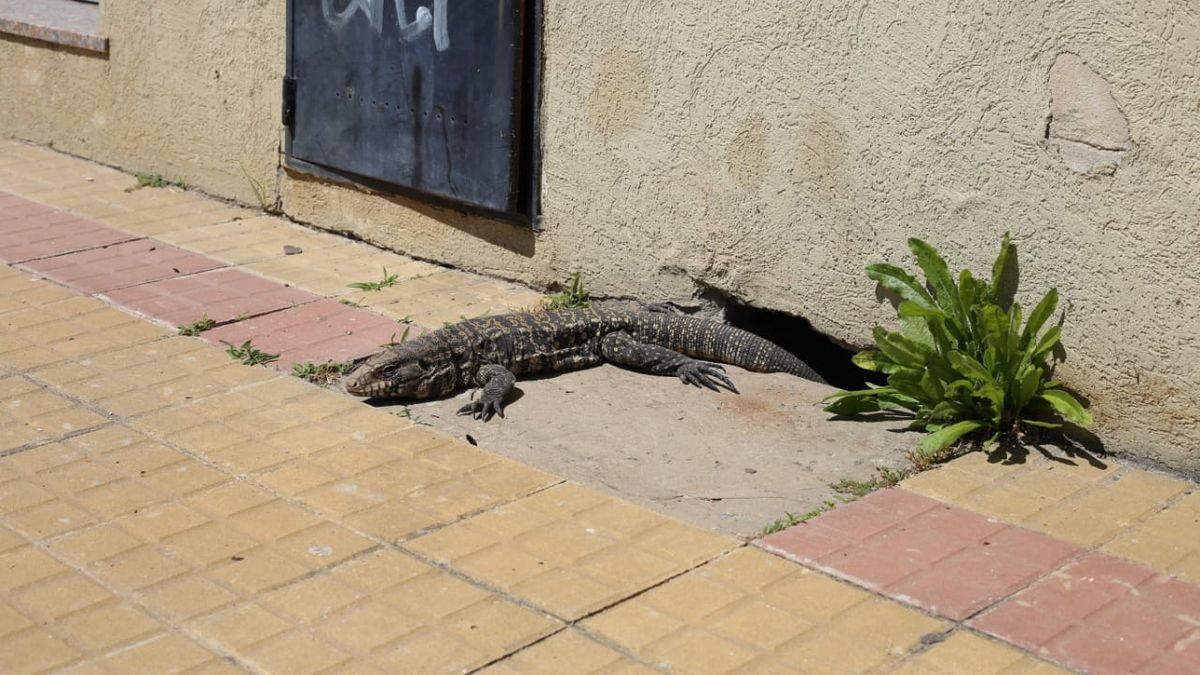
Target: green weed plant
{"type": "Point", "coordinates": [966, 360]}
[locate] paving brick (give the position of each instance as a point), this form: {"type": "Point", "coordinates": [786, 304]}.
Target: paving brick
{"type": "Point", "coordinates": [444, 296]}
{"type": "Point", "coordinates": [34, 650]}
{"type": "Point", "coordinates": [778, 627]}
{"type": "Point", "coordinates": [948, 560]}
{"type": "Point", "coordinates": [1168, 540]}
{"type": "Point", "coordinates": [965, 652]}
{"type": "Point", "coordinates": [329, 270]}
{"type": "Point", "coordinates": [1102, 615]}
{"type": "Point", "coordinates": [163, 653]}
{"type": "Point", "coordinates": [567, 651]}
{"type": "Point", "coordinates": [221, 295]}
{"type": "Point", "coordinates": [609, 560]}
{"type": "Point", "coordinates": [239, 242]}
{"type": "Point", "coordinates": [120, 265]}
{"type": "Point", "coordinates": [316, 332]}
{"type": "Point", "coordinates": [37, 416]}
{"type": "Point", "coordinates": [43, 232]}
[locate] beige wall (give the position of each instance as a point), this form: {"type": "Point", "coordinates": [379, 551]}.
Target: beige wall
{"type": "Point", "coordinates": [770, 149]}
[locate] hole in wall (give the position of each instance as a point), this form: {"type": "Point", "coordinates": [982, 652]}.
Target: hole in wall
{"type": "Point", "coordinates": [828, 357]}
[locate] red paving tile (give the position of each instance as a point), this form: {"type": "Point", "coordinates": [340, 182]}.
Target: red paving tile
{"type": "Point", "coordinates": [946, 559]}
{"type": "Point", "coordinates": [319, 331]}
{"type": "Point", "coordinates": [121, 265]}
{"type": "Point", "coordinates": [31, 230]}
{"type": "Point", "coordinates": [222, 295]}
{"type": "Point", "coordinates": [1104, 615]}
{"type": "Point", "coordinates": [55, 238]}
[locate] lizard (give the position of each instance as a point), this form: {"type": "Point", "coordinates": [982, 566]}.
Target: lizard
{"type": "Point", "coordinates": [489, 352]}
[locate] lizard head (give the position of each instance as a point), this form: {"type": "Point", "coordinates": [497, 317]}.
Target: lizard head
{"type": "Point", "coordinates": [402, 371]}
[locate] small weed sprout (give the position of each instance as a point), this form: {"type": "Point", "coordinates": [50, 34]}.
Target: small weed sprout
{"type": "Point", "coordinates": [847, 490]}
{"type": "Point", "coordinates": [387, 281]}
{"type": "Point", "coordinates": [248, 354]}
{"type": "Point", "coordinates": [407, 414]}
{"type": "Point", "coordinates": [322, 373]}
{"type": "Point", "coordinates": [197, 327]}
{"type": "Point", "coordinates": [392, 342]}
{"type": "Point", "coordinates": [153, 180]}
{"type": "Point", "coordinates": [260, 193]}
{"type": "Point", "coordinates": [574, 297]}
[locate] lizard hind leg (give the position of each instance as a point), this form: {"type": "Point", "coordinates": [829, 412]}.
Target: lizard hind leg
{"type": "Point", "coordinates": [621, 348]}
{"type": "Point", "coordinates": [494, 384]}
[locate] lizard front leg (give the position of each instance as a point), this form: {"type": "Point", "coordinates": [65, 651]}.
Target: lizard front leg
{"type": "Point", "coordinates": [623, 349]}
{"type": "Point", "coordinates": [494, 382]}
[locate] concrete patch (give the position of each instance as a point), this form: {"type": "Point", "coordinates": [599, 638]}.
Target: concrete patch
{"type": "Point", "coordinates": [725, 462]}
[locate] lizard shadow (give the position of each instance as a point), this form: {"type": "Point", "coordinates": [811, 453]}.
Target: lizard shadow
{"type": "Point", "coordinates": [514, 395]}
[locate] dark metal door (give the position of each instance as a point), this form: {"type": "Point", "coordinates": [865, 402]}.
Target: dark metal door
{"type": "Point", "coordinates": [424, 95]}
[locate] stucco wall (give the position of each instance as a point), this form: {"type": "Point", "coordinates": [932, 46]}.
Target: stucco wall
{"type": "Point", "coordinates": [769, 149]}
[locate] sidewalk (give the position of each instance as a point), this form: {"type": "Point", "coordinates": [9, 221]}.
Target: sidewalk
{"type": "Point", "coordinates": [164, 507]}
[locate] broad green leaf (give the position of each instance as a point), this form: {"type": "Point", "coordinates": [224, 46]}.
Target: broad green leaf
{"type": "Point", "coordinates": [909, 383]}
{"type": "Point", "coordinates": [945, 436]}
{"type": "Point", "coordinates": [873, 360]}
{"type": "Point", "coordinates": [1026, 387]}
{"type": "Point", "coordinates": [967, 291]}
{"type": "Point", "coordinates": [909, 308]}
{"type": "Point", "coordinates": [938, 276]}
{"type": "Point", "coordinates": [1004, 275]}
{"type": "Point", "coordinates": [901, 350]}
{"type": "Point", "coordinates": [900, 282]}
{"type": "Point", "coordinates": [969, 367]}
{"type": "Point", "coordinates": [959, 389]}
{"type": "Point", "coordinates": [1044, 345]}
{"type": "Point", "coordinates": [916, 328]}
{"type": "Point", "coordinates": [1039, 315]}
{"type": "Point", "coordinates": [853, 405]}
{"type": "Point", "coordinates": [1066, 405]}
{"type": "Point", "coordinates": [995, 324]}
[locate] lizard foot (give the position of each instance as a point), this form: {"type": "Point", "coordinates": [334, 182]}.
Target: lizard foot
{"type": "Point", "coordinates": [483, 408]}
{"type": "Point", "coordinates": [700, 374]}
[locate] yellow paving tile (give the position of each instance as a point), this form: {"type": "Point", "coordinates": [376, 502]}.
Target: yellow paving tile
{"type": "Point", "coordinates": [445, 296]}
{"type": "Point", "coordinates": [1168, 541]}
{"type": "Point", "coordinates": [753, 612]}
{"type": "Point", "coordinates": [1093, 516]}
{"type": "Point", "coordinates": [251, 239]}
{"type": "Point", "coordinates": [34, 650]}
{"type": "Point", "coordinates": [562, 549]}
{"type": "Point", "coordinates": [383, 608]}
{"type": "Point", "coordinates": [330, 270]}
{"type": "Point", "coordinates": [1078, 501]}
{"type": "Point", "coordinates": [965, 652]}
{"type": "Point", "coordinates": [568, 651]}
{"type": "Point", "coordinates": [30, 415]}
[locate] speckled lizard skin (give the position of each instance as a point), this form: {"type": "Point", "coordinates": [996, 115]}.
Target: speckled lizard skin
{"type": "Point", "coordinates": [489, 353]}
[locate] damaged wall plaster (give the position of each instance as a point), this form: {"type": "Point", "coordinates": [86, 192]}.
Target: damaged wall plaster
{"type": "Point", "coordinates": [1086, 125]}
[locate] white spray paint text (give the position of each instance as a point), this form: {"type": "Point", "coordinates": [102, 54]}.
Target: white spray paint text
{"type": "Point", "coordinates": [409, 31]}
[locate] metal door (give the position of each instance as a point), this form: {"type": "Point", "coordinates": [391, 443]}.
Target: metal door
{"type": "Point", "coordinates": [424, 96]}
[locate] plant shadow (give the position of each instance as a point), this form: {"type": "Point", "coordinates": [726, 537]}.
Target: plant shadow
{"type": "Point", "coordinates": [1071, 446]}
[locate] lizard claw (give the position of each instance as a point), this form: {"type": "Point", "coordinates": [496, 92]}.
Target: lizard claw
{"type": "Point", "coordinates": [700, 374]}
{"type": "Point", "coordinates": [483, 409]}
